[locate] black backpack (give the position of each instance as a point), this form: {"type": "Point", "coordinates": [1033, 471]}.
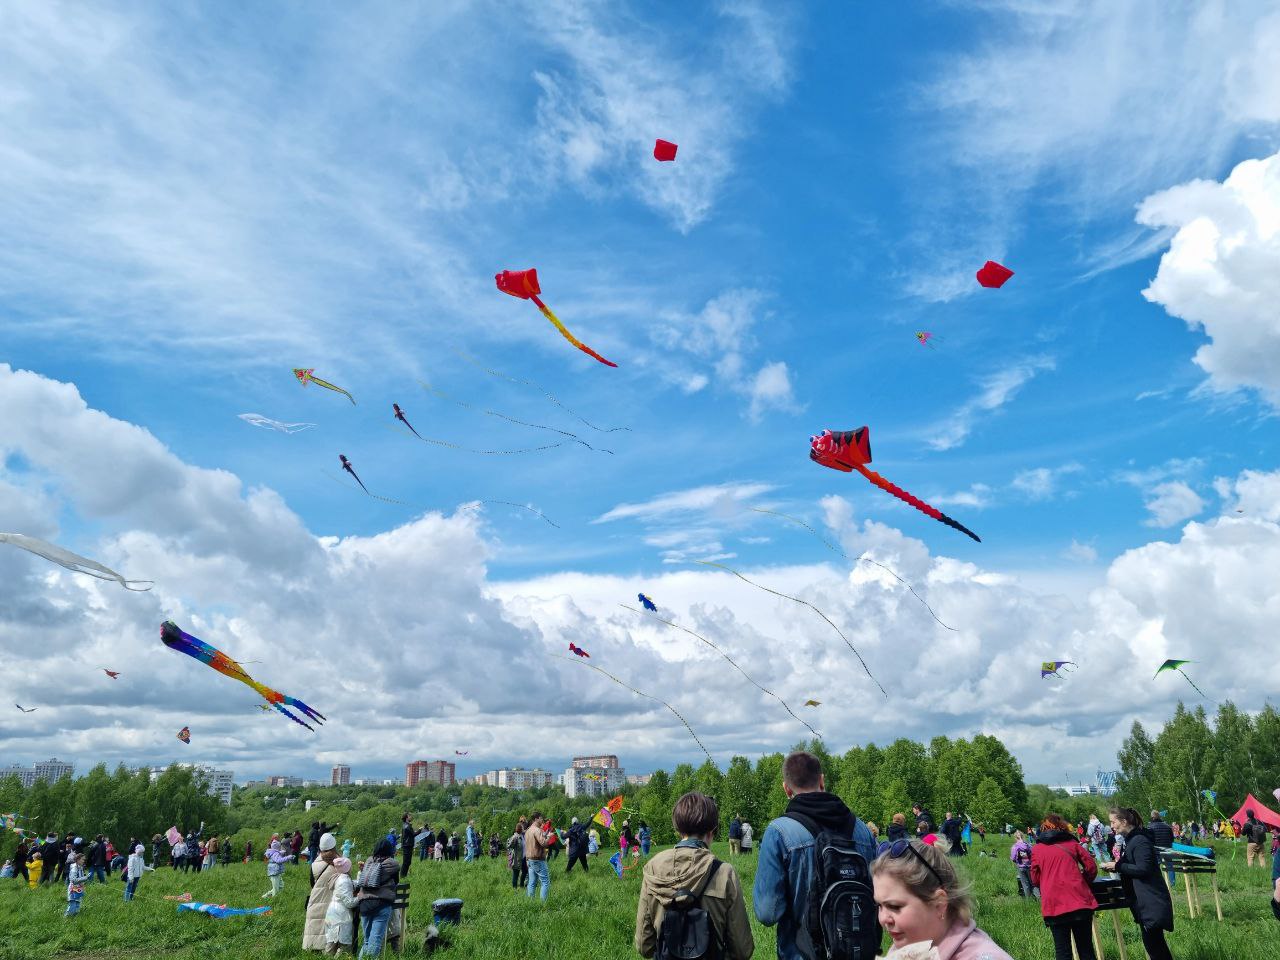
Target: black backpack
{"type": "Point", "coordinates": [687, 932]}
{"type": "Point", "coordinates": [843, 921]}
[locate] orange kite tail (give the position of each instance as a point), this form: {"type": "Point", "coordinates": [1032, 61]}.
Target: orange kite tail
{"type": "Point", "coordinates": [919, 504]}
{"type": "Point", "coordinates": [564, 332]}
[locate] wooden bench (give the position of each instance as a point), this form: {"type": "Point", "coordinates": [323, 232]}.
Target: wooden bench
{"type": "Point", "coordinates": [399, 923]}
{"type": "Point", "coordinates": [1110, 896]}
{"type": "Point", "coordinates": [1191, 867]}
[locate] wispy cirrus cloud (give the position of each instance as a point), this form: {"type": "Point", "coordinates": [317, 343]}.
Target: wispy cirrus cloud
{"type": "Point", "coordinates": [724, 498]}
{"type": "Point", "coordinates": [997, 389]}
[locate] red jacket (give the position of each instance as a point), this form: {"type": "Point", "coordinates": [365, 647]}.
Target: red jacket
{"type": "Point", "coordinates": [1063, 869]}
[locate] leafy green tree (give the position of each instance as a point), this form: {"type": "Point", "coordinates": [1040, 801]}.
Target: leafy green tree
{"type": "Point", "coordinates": [990, 807]}
{"type": "Point", "coordinates": [738, 794]}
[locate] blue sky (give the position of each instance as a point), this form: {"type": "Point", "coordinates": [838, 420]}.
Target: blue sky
{"type": "Point", "coordinates": [205, 197]}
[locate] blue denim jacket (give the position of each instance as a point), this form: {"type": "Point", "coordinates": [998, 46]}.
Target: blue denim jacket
{"type": "Point", "coordinates": [783, 876]}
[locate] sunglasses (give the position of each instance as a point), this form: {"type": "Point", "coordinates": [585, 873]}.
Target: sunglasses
{"type": "Point", "coordinates": [900, 848]}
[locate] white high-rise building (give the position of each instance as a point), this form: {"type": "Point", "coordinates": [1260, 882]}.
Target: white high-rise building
{"type": "Point", "coordinates": [593, 781]}
{"type": "Point", "coordinates": [50, 771]}
{"type": "Point", "coordinates": [518, 778]}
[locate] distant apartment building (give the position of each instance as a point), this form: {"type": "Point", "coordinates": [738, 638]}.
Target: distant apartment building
{"type": "Point", "coordinates": [340, 776]}
{"type": "Point", "coordinates": [439, 772]}
{"type": "Point", "coordinates": [593, 781]}
{"type": "Point", "coordinates": [50, 771]}
{"type": "Point", "coordinates": [609, 760]}
{"type": "Point", "coordinates": [518, 778]}
{"type": "Point", "coordinates": [280, 780]}
{"type": "Point", "coordinates": [639, 779]}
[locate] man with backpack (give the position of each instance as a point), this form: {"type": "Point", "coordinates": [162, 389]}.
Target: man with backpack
{"type": "Point", "coordinates": [814, 875]}
{"type": "Point", "coordinates": [691, 904]}
{"type": "Point", "coordinates": [1255, 835]}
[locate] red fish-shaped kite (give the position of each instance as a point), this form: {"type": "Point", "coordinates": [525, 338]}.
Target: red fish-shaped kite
{"type": "Point", "coordinates": [849, 450]}
{"type": "Point", "coordinates": [993, 274]}
{"type": "Point", "coordinates": [578, 650]}
{"type": "Point", "coordinates": [524, 285]}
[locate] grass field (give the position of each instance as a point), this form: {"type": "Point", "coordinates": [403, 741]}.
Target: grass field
{"type": "Point", "coordinates": [587, 916]}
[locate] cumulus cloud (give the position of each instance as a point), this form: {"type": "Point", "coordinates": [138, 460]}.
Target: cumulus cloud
{"type": "Point", "coordinates": [997, 390]}
{"type": "Point", "coordinates": [1221, 273]}
{"type": "Point", "coordinates": [1171, 503]}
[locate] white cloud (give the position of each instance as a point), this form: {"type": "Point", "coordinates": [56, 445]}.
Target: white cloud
{"type": "Point", "coordinates": [1083, 552]}
{"type": "Point", "coordinates": [1171, 503]}
{"type": "Point", "coordinates": [722, 499]}
{"type": "Point", "coordinates": [997, 390]}
{"type": "Point", "coordinates": [1221, 273]}
{"type": "Point", "coordinates": [1253, 493]}
{"type": "Point", "coordinates": [1041, 483]}
{"type": "Point", "coordinates": [978, 497]}
{"type": "Point", "coordinates": [770, 389]}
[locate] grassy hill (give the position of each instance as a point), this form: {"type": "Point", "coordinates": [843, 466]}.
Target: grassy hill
{"type": "Point", "coordinates": [587, 916]}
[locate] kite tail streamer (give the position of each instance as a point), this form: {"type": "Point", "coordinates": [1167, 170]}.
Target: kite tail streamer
{"type": "Point", "coordinates": [916, 502]}
{"type": "Point", "coordinates": [787, 596]}
{"type": "Point", "coordinates": [332, 386]}
{"type": "Point", "coordinates": [886, 569]}
{"type": "Point", "coordinates": [564, 332]}
{"type": "Point", "coordinates": [731, 663]}
{"type": "Point", "coordinates": [502, 416]}
{"type": "Point", "coordinates": [455, 446]}
{"type": "Point", "coordinates": [529, 383]}
{"type": "Point", "coordinates": [1193, 686]}
{"type": "Point", "coordinates": [642, 694]}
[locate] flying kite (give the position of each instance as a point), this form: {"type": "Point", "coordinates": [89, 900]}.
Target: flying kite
{"type": "Point", "coordinates": [993, 275]}
{"type": "Point", "coordinates": [1050, 668]}
{"type": "Point", "coordinates": [524, 285]}
{"type": "Point", "coordinates": [604, 818]}
{"type": "Point", "coordinates": [813, 703]}
{"type": "Point", "coordinates": [618, 866]}
{"type": "Point", "coordinates": [24, 709]}
{"type": "Point", "coordinates": [502, 416]}
{"type": "Point", "coordinates": [401, 417]}
{"type": "Point", "coordinates": [924, 336]}
{"type": "Point", "coordinates": [461, 753]}
{"type": "Point", "coordinates": [850, 450]}
{"type": "Point", "coordinates": [175, 638]}
{"type": "Point", "coordinates": [543, 390]}
{"type": "Point", "coordinates": [346, 465]}
{"type": "Point", "coordinates": [221, 910]}
{"type": "Point", "coordinates": [185, 735]}
{"type": "Point", "coordinates": [832, 547]}
{"type": "Point", "coordinates": [664, 150]}
{"type": "Point", "coordinates": [113, 674]}
{"type": "Point", "coordinates": [305, 376]}
{"type": "Point", "coordinates": [258, 420]}
{"type": "Point", "coordinates": [647, 603]}
{"type": "Point", "coordinates": [708, 563]}
{"type": "Point", "coordinates": [732, 663]}
{"type": "Point", "coordinates": [639, 693]}
{"type": "Point", "coordinates": [73, 562]}
{"type": "Point", "coordinates": [1178, 665]}
{"type": "Point", "coordinates": [578, 650]}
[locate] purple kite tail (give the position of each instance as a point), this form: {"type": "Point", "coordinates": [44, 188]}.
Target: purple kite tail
{"type": "Point", "coordinates": [313, 715]}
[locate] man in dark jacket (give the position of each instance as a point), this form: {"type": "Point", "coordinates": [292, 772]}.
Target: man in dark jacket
{"type": "Point", "coordinates": [785, 870]}
{"type": "Point", "coordinates": [735, 836]}
{"type": "Point", "coordinates": [20, 855]}
{"type": "Point", "coordinates": [1162, 836]}
{"type": "Point", "coordinates": [577, 838]}
{"type": "Point", "coordinates": [407, 833]}
{"type": "Point", "coordinates": [1255, 837]}
{"type": "Point", "coordinates": [98, 859]}
{"type": "Point", "coordinates": [952, 829]}
{"type": "Point", "coordinates": [313, 841]}
{"type": "Point", "coordinates": [924, 820]}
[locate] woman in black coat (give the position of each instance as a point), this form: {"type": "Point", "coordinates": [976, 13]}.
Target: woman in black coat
{"type": "Point", "coordinates": [1139, 869]}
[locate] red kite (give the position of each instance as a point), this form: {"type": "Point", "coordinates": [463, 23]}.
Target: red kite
{"type": "Point", "coordinates": [113, 674]}
{"type": "Point", "coordinates": [993, 274]}
{"type": "Point", "coordinates": [664, 150]}
{"type": "Point", "coordinates": [185, 735]}
{"type": "Point", "coordinates": [850, 450]}
{"type": "Point", "coordinates": [578, 650]}
{"type": "Point", "coordinates": [523, 284]}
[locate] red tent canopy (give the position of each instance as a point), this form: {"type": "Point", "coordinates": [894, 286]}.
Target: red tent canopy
{"type": "Point", "coordinates": [1260, 810]}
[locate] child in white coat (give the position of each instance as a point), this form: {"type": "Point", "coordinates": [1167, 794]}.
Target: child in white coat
{"type": "Point", "coordinates": [339, 919]}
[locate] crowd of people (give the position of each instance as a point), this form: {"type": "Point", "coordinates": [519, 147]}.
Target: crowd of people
{"type": "Point", "coordinates": [818, 865]}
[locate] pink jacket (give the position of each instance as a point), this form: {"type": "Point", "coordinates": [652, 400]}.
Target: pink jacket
{"type": "Point", "coordinates": [967, 942]}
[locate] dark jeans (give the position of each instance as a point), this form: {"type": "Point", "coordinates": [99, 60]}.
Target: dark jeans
{"type": "Point", "coordinates": [20, 870]}
{"type": "Point", "coordinates": [98, 872]}
{"type": "Point", "coordinates": [1077, 924]}
{"type": "Point", "coordinates": [579, 857]}
{"type": "Point", "coordinates": [407, 858]}
{"type": "Point", "coordinates": [1153, 940]}
{"type": "Point", "coordinates": [520, 874]}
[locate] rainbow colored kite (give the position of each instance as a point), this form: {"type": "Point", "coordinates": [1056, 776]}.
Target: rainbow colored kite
{"type": "Point", "coordinates": [175, 638]}
{"type": "Point", "coordinates": [523, 284]}
{"type": "Point", "coordinates": [849, 450]}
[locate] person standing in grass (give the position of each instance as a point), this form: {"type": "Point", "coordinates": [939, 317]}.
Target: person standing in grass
{"type": "Point", "coordinates": [1139, 869]}
{"type": "Point", "coordinates": [407, 834]}
{"type": "Point", "coordinates": [276, 859]}
{"type": "Point", "coordinates": [339, 917]}
{"type": "Point", "coordinates": [748, 837]}
{"type": "Point", "coordinates": [1020, 854]}
{"type": "Point", "coordinates": [535, 853]}
{"type": "Point", "coordinates": [472, 844]}
{"type": "Point", "coordinates": [323, 878]}
{"type": "Point", "coordinates": [375, 893]}
{"type": "Point", "coordinates": [735, 835]}
{"type": "Point", "coordinates": [690, 868]}
{"type": "Point", "coordinates": [77, 877]}
{"type": "Point", "coordinates": [20, 855]}
{"type": "Point", "coordinates": [645, 836]}
{"type": "Point", "coordinates": [577, 843]}
{"type": "Point", "coordinates": [1063, 869]}
{"type": "Point", "coordinates": [515, 856]}
{"type": "Point", "coordinates": [35, 869]}
{"type": "Point", "coordinates": [134, 870]}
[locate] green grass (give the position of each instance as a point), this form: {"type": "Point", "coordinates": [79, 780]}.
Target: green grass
{"type": "Point", "coordinates": [586, 917]}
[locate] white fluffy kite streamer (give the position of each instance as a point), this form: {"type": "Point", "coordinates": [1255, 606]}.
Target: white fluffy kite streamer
{"type": "Point", "coordinates": [258, 420]}
{"type": "Point", "coordinates": [73, 562]}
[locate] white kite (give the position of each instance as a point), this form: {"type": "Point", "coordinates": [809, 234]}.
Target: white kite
{"type": "Point", "coordinates": [73, 562]}
{"type": "Point", "coordinates": [258, 420]}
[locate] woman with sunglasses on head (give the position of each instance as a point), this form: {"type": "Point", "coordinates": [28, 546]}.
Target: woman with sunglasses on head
{"type": "Point", "coordinates": [1063, 869]}
{"type": "Point", "coordinates": [922, 901]}
{"type": "Point", "coordinates": [1144, 887]}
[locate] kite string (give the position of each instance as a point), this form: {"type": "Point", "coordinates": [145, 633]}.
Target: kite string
{"type": "Point", "coordinates": [502, 376]}
{"type": "Point", "coordinates": [642, 694]}
{"type": "Point", "coordinates": [401, 503]}
{"type": "Point", "coordinates": [731, 663]}
{"type": "Point", "coordinates": [806, 603]}
{"type": "Point", "coordinates": [502, 416]}
{"type": "Point", "coordinates": [860, 559]}
{"type": "Point", "coordinates": [455, 446]}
